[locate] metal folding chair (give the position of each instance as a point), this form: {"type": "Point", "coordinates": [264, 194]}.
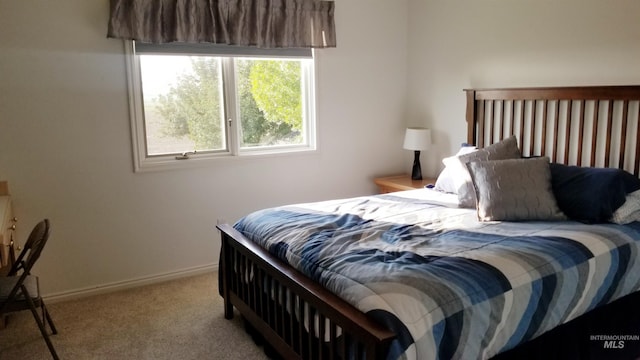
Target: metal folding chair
{"type": "Point", "coordinates": [20, 290]}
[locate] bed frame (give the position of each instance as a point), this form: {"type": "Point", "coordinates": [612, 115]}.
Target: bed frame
{"type": "Point", "coordinates": [587, 126]}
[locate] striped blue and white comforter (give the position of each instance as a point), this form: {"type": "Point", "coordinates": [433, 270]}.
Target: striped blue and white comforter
{"type": "Point", "coordinates": [451, 287]}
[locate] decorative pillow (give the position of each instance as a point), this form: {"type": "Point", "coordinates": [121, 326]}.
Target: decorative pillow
{"type": "Point", "coordinates": [505, 149]}
{"type": "Point", "coordinates": [629, 211]}
{"type": "Point", "coordinates": [591, 195]}
{"type": "Point", "coordinates": [445, 181]}
{"type": "Point", "coordinates": [514, 189]}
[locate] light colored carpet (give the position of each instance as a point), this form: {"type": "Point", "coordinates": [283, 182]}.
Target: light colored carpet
{"type": "Point", "coordinates": [178, 319]}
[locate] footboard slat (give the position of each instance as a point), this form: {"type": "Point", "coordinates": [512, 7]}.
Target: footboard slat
{"type": "Point", "coordinates": [300, 327]}
{"type": "Point", "coordinates": [311, 325]}
{"type": "Point", "coordinates": [297, 316]}
{"type": "Point", "coordinates": [333, 349]}
{"type": "Point", "coordinates": [321, 323]}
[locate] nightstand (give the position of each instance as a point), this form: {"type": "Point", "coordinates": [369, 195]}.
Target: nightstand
{"type": "Point", "coordinates": [400, 183]}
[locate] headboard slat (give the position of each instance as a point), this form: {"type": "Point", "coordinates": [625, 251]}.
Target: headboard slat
{"type": "Point", "coordinates": [554, 145]}
{"type": "Point", "coordinates": [607, 157]}
{"type": "Point", "coordinates": [623, 134]}
{"type": "Point", "coordinates": [513, 117]}
{"type": "Point", "coordinates": [532, 126]}
{"type": "Point", "coordinates": [581, 126]}
{"type": "Point", "coordinates": [567, 131]}
{"type": "Point", "coordinates": [503, 123]}
{"type": "Point", "coordinates": [543, 141]}
{"type": "Point", "coordinates": [481, 125]}
{"type": "Point", "coordinates": [594, 133]}
{"type": "Point", "coordinates": [492, 120]}
{"type": "Point", "coordinates": [471, 115]}
{"type": "Point", "coordinates": [521, 120]}
{"type": "Point", "coordinates": [636, 167]}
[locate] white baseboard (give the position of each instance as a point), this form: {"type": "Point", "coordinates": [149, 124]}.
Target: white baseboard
{"type": "Point", "coordinates": [126, 284]}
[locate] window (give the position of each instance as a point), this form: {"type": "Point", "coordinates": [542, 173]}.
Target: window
{"type": "Point", "coordinates": [192, 102]}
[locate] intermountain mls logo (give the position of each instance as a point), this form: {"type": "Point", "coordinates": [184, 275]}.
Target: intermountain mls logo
{"type": "Point", "coordinates": [614, 341]}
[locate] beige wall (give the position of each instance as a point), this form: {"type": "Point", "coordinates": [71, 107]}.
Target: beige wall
{"type": "Point", "coordinates": [65, 144]}
{"type": "Point", "coordinates": [65, 139]}
{"type": "Point", "coordinates": [494, 43]}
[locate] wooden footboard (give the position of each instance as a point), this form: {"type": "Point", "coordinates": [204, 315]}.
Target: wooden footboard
{"type": "Point", "coordinates": [297, 316]}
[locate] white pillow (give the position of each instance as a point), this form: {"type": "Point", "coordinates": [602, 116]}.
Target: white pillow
{"type": "Point", "coordinates": [445, 181]}
{"type": "Point", "coordinates": [629, 211]}
{"type": "Point", "coordinates": [502, 150]}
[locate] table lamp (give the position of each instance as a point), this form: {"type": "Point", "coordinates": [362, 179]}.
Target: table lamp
{"type": "Point", "coordinates": [417, 139]}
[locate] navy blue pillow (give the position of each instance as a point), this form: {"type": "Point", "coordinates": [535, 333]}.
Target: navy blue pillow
{"type": "Point", "coordinates": [590, 195]}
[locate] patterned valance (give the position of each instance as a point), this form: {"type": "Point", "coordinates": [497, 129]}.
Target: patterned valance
{"type": "Point", "coordinates": [259, 23]}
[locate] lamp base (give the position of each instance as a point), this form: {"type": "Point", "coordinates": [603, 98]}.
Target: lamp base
{"type": "Point", "coordinates": [416, 173]}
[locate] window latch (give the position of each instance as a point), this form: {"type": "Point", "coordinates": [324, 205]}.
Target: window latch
{"type": "Point", "coordinates": [185, 155]}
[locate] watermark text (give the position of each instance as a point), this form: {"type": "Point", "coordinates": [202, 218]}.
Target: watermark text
{"type": "Point", "coordinates": [614, 341]}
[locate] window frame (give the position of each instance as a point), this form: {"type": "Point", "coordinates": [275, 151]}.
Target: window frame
{"type": "Point", "coordinates": [144, 162]}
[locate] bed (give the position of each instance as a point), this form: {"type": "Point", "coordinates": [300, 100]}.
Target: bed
{"type": "Point", "coordinates": [414, 275]}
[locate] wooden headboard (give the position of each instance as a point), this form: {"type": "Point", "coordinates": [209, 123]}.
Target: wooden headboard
{"type": "Point", "coordinates": [586, 126]}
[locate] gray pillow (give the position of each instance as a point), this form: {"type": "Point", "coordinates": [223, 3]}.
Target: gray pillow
{"type": "Point", "coordinates": [505, 149]}
{"type": "Point", "coordinates": [514, 189]}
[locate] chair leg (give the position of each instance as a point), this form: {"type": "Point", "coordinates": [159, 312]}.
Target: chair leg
{"type": "Point", "coordinates": [45, 312]}
{"type": "Point", "coordinates": [43, 330]}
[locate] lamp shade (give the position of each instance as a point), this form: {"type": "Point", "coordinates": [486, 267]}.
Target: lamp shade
{"type": "Point", "coordinates": [417, 139]}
